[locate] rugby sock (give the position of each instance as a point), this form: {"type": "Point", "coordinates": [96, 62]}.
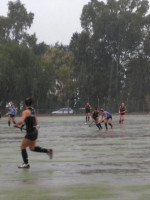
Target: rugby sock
{"type": "Point", "coordinates": [110, 124]}
{"type": "Point", "coordinates": [8, 123]}
{"type": "Point", "coordinates": [119, 121]}
{"type": "Point", "coordinates": [88, 119]}
{"type": "Point", "coordinates": [122, 121]}
{"type": "Point", "coordinates": [24, 156]}
{"type": "Point", "coordinates": [99, 126]}
{"type": "Point", "coordinates": [40, 149]}
{"type": "Point", "coordinates": [106, 125]}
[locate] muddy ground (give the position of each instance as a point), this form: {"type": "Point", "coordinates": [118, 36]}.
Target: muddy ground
{"type": "Point", "coordinates": [87, 163]}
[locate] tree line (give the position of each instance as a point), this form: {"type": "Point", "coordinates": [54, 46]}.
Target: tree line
{"type": "Point", "coordinates": [106, 64]}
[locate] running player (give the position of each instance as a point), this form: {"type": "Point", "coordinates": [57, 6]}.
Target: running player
{"type": "Point", "coordinates": [107, 118]}
{"type": "Point", "coordinates": [29, 118]}
{"type": "Point", "coordinates": [11, 114]}
{"type": "Point", "coordinates": [122, 111]}
{"type": "Point", "coordinates": [87, 112]}
{"type": "Point", "coordinates": [95, 116]}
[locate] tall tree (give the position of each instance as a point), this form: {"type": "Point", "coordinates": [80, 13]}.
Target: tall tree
{"type": "Point", "coordinates": [22, 74]}
{"type": "Point", "coordinates": [62, 61]}
{"type": "Point", "coordinates": [116, 31]}
{"type": "Point", "coordinates": [16, 24]}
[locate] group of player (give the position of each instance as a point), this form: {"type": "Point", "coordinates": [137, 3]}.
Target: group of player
{"type": "Point", "coordinates": [30, 121]}
{"type": "Point", "coordinates": [102, 116]}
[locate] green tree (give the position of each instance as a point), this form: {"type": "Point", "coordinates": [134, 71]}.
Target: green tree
{"type": "Point", "coordinates": [62, 61]}
{"type": "Point", "coordinates": [16, 24]}
{"type": "Point", "coordinates": [116, 32]}
{"type": "Point", "coordinates": [23, 74]}
{"type": "Point", "coordinates": [23, 70]}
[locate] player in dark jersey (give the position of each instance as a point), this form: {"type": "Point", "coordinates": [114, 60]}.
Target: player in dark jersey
{"type": "Point", "coordinates": [107, 118]}
{"type": "Point", "coordinates": [122, 111]}
{"type": "Point", "coordinates": [95, 116]}
{"type": "Point", "coordinates": [87, 112]}
{"type": "Point", "coordinates": [29, 119]}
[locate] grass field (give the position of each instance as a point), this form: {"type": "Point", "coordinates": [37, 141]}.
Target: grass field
{"type": "Point", "coordinates": [87, 163]}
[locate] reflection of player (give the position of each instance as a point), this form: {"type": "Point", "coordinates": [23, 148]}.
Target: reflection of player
{"type": "Point", "coordinates": [29, 118]}
{"type": "Point", "coordinates": [87, 112]}
{"type": "Point", "coordinates": [12, 113]}
{"type": "Point", "coordinates": [95, 116]}
{"type": "Point", "coordinates": [107, 118]}
{"type": "Point", "coordinates": [122, 111]}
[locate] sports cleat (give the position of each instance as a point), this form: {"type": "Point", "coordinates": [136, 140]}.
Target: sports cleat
{"type": "Point", "coordinates": [50, 153]}
{"type": "Point", "coordinates": [24, 166]}
{"type": "Point", "coordinates": [112, 127]}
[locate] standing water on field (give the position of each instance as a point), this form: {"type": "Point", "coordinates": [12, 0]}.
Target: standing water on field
{"type": "Point", "coordinates": [88, 163]}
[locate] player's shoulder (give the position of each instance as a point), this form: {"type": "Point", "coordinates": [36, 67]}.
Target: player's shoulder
{"type": "Point", "coordinates": [26, 112]}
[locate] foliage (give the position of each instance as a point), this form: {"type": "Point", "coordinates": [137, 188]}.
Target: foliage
{"type": "Point", "coordinates": [23, 74]}
{"type": "Point", "coordinates": [116, 33]}
{"type": "Point", "coordinates": [105, 64]}
{"type": "Point", "coordinates": [15, 25]}
{"type": "Point", "coordinates": [62, 61]}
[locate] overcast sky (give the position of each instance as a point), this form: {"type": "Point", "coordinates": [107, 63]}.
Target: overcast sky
{"type": "Point", "coordinates": [54, 20]}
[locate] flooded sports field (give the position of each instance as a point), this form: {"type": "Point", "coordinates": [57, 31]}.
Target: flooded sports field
{"type": "Point", "coordinates": [87, 163]}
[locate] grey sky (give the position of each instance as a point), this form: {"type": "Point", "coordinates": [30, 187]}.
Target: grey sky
{"type": "Point", "coordinates": [54, 20]}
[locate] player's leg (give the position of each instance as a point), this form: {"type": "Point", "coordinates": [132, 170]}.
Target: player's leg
{"type": "Point", "coordinates": [9, 120]}
{"type": "Point", "coordinates": [88, 118]}
{"type": "Point", "coordinates": [24, 145]}
{"type": "Point", "coordinates": [40, 149]}
{"type": "Point", "coordinates": [106, 121]}
{"type": "Point", "coordinates": [98, 124]}
{"type": "Point", "coordinates": [122, 120]}
{"type": "Point", "coordinates": [13, 119]}
{"type": "Point", "coordinates": [109, 122]}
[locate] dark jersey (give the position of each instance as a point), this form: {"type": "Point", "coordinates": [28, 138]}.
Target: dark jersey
{"type": "Point", "coordinates": [32, 132]}
{"type": "Point", "coordinates": [122, 110]}
{"type": "Point", "coordinates": [95, 114]}
{"type": "Point", "coordinates": [87, 109]}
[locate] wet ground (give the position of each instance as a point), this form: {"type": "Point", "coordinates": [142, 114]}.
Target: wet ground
{"type": "Point", "coordinates": [87, 163]}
